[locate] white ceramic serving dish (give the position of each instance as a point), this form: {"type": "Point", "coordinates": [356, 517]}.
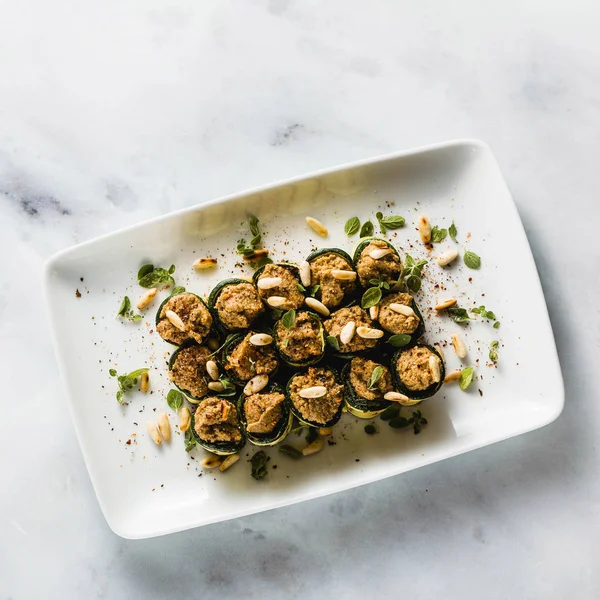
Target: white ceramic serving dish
{"type": "Point", "coordinates": [145, 490]}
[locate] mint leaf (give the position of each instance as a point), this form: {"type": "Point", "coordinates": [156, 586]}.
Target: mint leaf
{"type": "Point", "coordinates": [371, 297]}
{"type": "Point", "coordinates": [399, 340]}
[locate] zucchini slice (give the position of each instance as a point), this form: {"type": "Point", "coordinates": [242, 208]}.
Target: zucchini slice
{"type": "Point", "coordinates": [357, 346]}
{"type": "Point", "coordinates": [291, 287]}
{"type": "Point", "coordinates": [176, 337]}
{"type": "Point", "coordinates": [311, 377]}
{"type": "Point", "coordinates": [387, 268]}
{"type": "Point", "coordinates": [394, 323]}
{"type": "Point", "coordinates": [356, 403]}
{"type": "Point", "coordinates": [241, 317]}
{"type": "Point", "coordinates": [331, 292]}
{"type": "Point", "coordinates": [415, 359]}
{"type": "Point", "coordinates": [200, 387]}
{"type": "Point", "coordinates": [293, 350]}
{"type": "Point", "coordinates": [222, 448]}
{"type": "Point", "coordinates": [267, 353]}
{"type": "Point", "coordinates": [280, 430]}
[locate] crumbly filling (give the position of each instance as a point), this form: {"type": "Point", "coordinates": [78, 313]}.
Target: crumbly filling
{"type": "Point", "coordinates": [343, 316]}
{"type": "Point", "coordinates": [216, 421]}
{"type": "Point", "coordinates": [331, 291]}
{"type": "Point", "coordinates": [387, 268]}
{"type": "Point", "coordinates": [194, 314]}
{"type": "Point", "coordinates": [189, 370]}
{"type": "Point", "coordinates": [303, 340]}
{"type": "Point", "coordinates": [245, 360]}
{"type": "Point", "coordinates": [361, 371]}
{"type": "Point", "coordinates": [238, 305]}
{"type": "Point", "coordinates": [318, 410]}
{"type": "Point", "coordinates": [413, 368]}
{"type": "Point", "coordinates": [395, 322]}
{"type": "Point", "coordinates": [263, 412]}
{"type": "Point", "coordinates": [287, 289]}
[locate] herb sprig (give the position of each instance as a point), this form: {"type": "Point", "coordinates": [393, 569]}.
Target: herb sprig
{"type": "Point", "coordinates": [393, 222]}
{"type": "Point", "coordinates": [126, 382]}
{"type": "Point", "coordinates": [126, 312]}
{"type": "Point", "coordinates": [494, 351]}
{"type": "Point", "coordinates": [150, 276]}
{"type": "Point", "coordinates": [417, 420]}
{"type": "Point", "coordinates": [248, 250]}
{"type": "Point", "coordinates": [438, 235]}
{"type": "Point", "coordinates": [412, 273]}
{"type": "Point", "coordinates": [486, 314]}
{"type": "Point", "coordinates": [458, 315]}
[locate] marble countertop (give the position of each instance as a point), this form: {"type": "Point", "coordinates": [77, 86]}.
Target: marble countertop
{"type": "Point", "coordinates": [120, 111]}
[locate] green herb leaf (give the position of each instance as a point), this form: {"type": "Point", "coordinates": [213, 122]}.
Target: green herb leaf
{"type": "Point", "coordinates": [394, 222]}
{"type": "Point", "coordinates": [399, 340]}
{"type": "Point", "coordinates": [290, 451]}
{"type": "Point", "coordinates": [414, 283]}
{"type": "Point", "coordinates": [391, 412]}
{"type": "Point", "coordinates": [494, 351]}
{"type": "Point", "coordinates": [367, 229]}
{"type": "Point", "coordinates": [144, 271]}
{"type": "Point", "coordinates": [438, 235]}
{"type": "Point", "coordinates": [352, 226]}
{"type": "Point", "coordinates": [452, 231]}
{"type": "Point", "coordinates": [471, 260]}
{"type": "Point", "coordinates": [126, 382]}
{"type": "Point", "coordinates": [189, 441]}
{"type": "Point", "coordinates": [120, 396]}
{"type": "Point", "coordinates": [376, 375]}
{"type": "Point", "coordinates": [466, 377]}
{"type": "Point", "coordinates": [399, 423]}
{"type": "Point", "coordinates": [112, 372]}
{"type": "Point", "coordinates": [125, 307]}
{"type": "Point", "coordinates": [171, 269]}
{"type": "Point", "coordinates": [228, 387]}
{"type": "Point", "coordinates": [301, 288]}
{"type": "Point", "coordinates": [253, 222]}
{"type": "Point", "coordinates": [159, 277]}
{"type": "Point", "coordinates": [255, 241]}
{"type": "Point", "coordinates": [412, 273]}
{"type": "Point", "coordinates": [175, 399]}
{"type": "Point", "coordinates": [459, 315]}
{"type": "Point", "coordinates": [496, 324]}
{"type": "Point", "coordinates": [259, 465]}
{"type": "Point", "coordinates": [333, 342]}
{"type": "Point", "coordinates": [311, 435]}
{"type": "Point", "coordinates": [370, 429]}
{"type": "Point", "coordinates": [314, 290]}
{"type": "Point", "coordinates": [371, 297]}
{"type": "Point", "coordinates": [178, 290]}
{"type": "Point", "coordinates": [289, 319]}
{"type": "Point", "coordinates": [136, 318]}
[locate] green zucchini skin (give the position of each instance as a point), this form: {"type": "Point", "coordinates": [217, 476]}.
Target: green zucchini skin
{"type": "Point", "coordinates": [162, 304]}
{"type": "Point", "coordinates": [214, 295]}
{"type": "Point", "coordinates": [296, 413]}
{"type": "Point", "coordinates": [230, 343]}
{"type": "Point", "coordinates": [313, 360]}
{"type": "Point", "coordinates": [417, 394]}
{"type": "Point", "coordinates": [418, 333]}
{"type": "Point", "coordinates": [220, 448]}
{"type": "Point", "coordinates": [281, 430]}
{"type": "Point", "coordinates": [358, 406]}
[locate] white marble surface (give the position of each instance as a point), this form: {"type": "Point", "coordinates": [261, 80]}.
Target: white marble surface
{"type": "Point", "coordinates": [116, 111]}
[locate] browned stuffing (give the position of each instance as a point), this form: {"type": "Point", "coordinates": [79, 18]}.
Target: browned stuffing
{"type": "Point", "coordinates": [216, 421]}
{"type": "Point", "coordinates": [189, 370]}
{"type": "Point", "coordinates": [238, 305]}
{"type": "Point", "coordinates": [341, 317]}
{"type": "Point", "coordinates": [245, 360]}
{"type": "Point", "coordinates": [394, 322]}
{"type": "Point", "coordinates": [331, 291]}
{"type": "Point", "coordinates": [318, 410]}
{"type": "Point", "coordinates": [387, 268]}
{"type": "Point", "coordinates": [302, 341]}
{"type": "Point", "coordinates": [361, 370]}
{"type": "Point", "coordinates": [194, 314]}
{"type": "Point", "coordinates": [413, 368]}
{"type": "Point", "coordinates": [288, 288]}
{"type": "Point", "coordinates": [263, 412]}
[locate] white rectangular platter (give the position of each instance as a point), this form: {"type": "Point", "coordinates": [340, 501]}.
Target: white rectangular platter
{"type": "Point", "coordinates": [146, 490]}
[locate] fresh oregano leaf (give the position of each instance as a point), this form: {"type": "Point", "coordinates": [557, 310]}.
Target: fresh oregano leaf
{"type": "Point", "coordinates": [367, 229]}
{"type": "Point", "coordinates": [390, 412]}
{"type": "Point", "coordinates": [452, 231]}
{"type": "Point", "coordinates": [352, 226]}
{"type": "Point", "coordinates": [399, 423]}
{"type": "Point", "coordinates": [459, 315]}
{"type": "Point", "coordinates": [438, 235]}
{"type": "Point", "coordinates": [399, 340]}
{"type": "Point", "coordinates": [300, 287]}
{"type": "Point", "coordinates": [112, 372]}
{"type": "Point", "coordinates": [189, 441]}
{"type": "Point", "coordinates": [159, 277]}
{"type": "Point", "coordinates": [394, 222]}
{"type": "Point", "coordinates": [290, 451]}
{"type": "Point", "coordinates": [171, 269]}
{"type": "Point", "coordinates": [496, 324]}
{"type": "Point", "coordinates": [175, 399]}
{"type": "Point", "coordinates": [333, 342]}
{"type": "Point", "coordinates": [370, 429]}
{"type": "Point", "coordinates": [471, 260]}
{"type": "Point", "coordinates": [376, 375]}
{"type": "Point", "coordinates": [466, 377]}
{"type": "Point", "coordinates": [259, 465]}
{"type": "Point", "coordinates": [144, 271]}
{"type": "Point", "coordinates": [371, 297]}
{"type": "Point", "coordinates": [178, 290]}
{"type": "Point", "coordinates": [125, 307]}
{"type": "Point", "coordinates": [289, 319]}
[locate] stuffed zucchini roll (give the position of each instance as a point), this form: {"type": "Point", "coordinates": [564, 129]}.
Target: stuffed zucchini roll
{"type": "Point", "coordinates": [265, 416]}
{"type": "Point", "coordinates": [398, 313]}
{"type": "Point", "coordinates": [183, 317]}
{"type": "Point", "coordinates": [375, 258]}
{"type": "Point", "coordinates": [248, 354]}
{"type": "Point", "coordinates": [187, 371]}
{"type": "Point", "coordinates": [299, 338]}
{"type": "Point", "coordinates": [235, 304]}
{"type": "Point", "coordinates": [365, 384]}
{"type": "Point", "coordinates": [354, 330]}
{"type": "Point", "coordinates": [216, 426]}
{"type": "Point", "coordinates": [316, 397]}
{"type": "Point", "coordinates": [332, 270]}
{"type": "Point", "coordinates": [418, 372]}
{"type": "Point", "coordinates": [279, 286]}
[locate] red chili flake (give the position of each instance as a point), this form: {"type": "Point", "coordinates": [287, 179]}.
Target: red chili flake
{"type": "Point", "coordinates": [128, 442]}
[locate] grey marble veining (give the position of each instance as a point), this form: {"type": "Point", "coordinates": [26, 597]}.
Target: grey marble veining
{"type": "Point", "coordinates": [119, 111]}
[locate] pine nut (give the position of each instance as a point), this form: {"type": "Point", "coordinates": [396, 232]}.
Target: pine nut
{"type": "Point", "coordinates": [343, 275]}
{"type": "Point", "coordinates": [175, 320]}
{"type": "Point", "coordinates": [317, 306]}
{"type": "Point", "coordinates": [261, 339]}
{"type": "Point", "coordinates": [144, 382]}
{"type": "Point", "coordinates": [444, 304]}
{"type": "Point", "coordinates": [228, 462]}
{"type": "Point", "coordinates": [216, 386]}
{"type": "Point", "coordinates": [317, 391]}
{"type": "Point", "coordinates": [212, 344]}
{"type": "Point", "coordinates": [313, 447]}
{"type": "Point", "coordinates": [276, 301]}
{"type": "Point", "coordinates": [185, 419]}
{"type": "Point", "coordinates": [153, 431]}
{"type": "Point", "coordinates": [445, 258]}
{"type": "Point", "coordinates": [258, 253]}
{"type": "Point", "coordinates": [459, 346]}
{"type": "Point", "coordinates": [453, 376]}
{"type": "Point", "coordinates": [204, 263]}
{"type": "Point", "coordinates": [439, 349]}
{"type": "Point", "coordinates": [374, 312]}
{"type": "Point", "coordinates": [317, 226]}
{"type": "Point", "coordinates": [256, 384]}
{"type": "Point", "coordinates": [305, 275]}
{"type": "Point", "coordinates": [369, 334]}
{"type": "Point", "coordinates": [400, 398]}
{"type": "Point", "coordinates": [434, 368]}
{"type": "Point", "coordinates": [379, 253]}
{"type": "Point", "coordinates": [164, 426]}
{"type": "Point", "coordinates": [146, 298]}
{"type": "Point", "coordinates": [267, 283]}
{"type": "Point", "coordinates": [210, 462]}
{"type": "Point", "coordinates": [347, 332]}
{"type": "Point", "coordinates": [402, 309]}
{"type": "Point", "coordinates": [425, 230]}
{"type": "Point", "coordinates": [212, 369]}
{"type": "Point", "coordinates": [325, 431]}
